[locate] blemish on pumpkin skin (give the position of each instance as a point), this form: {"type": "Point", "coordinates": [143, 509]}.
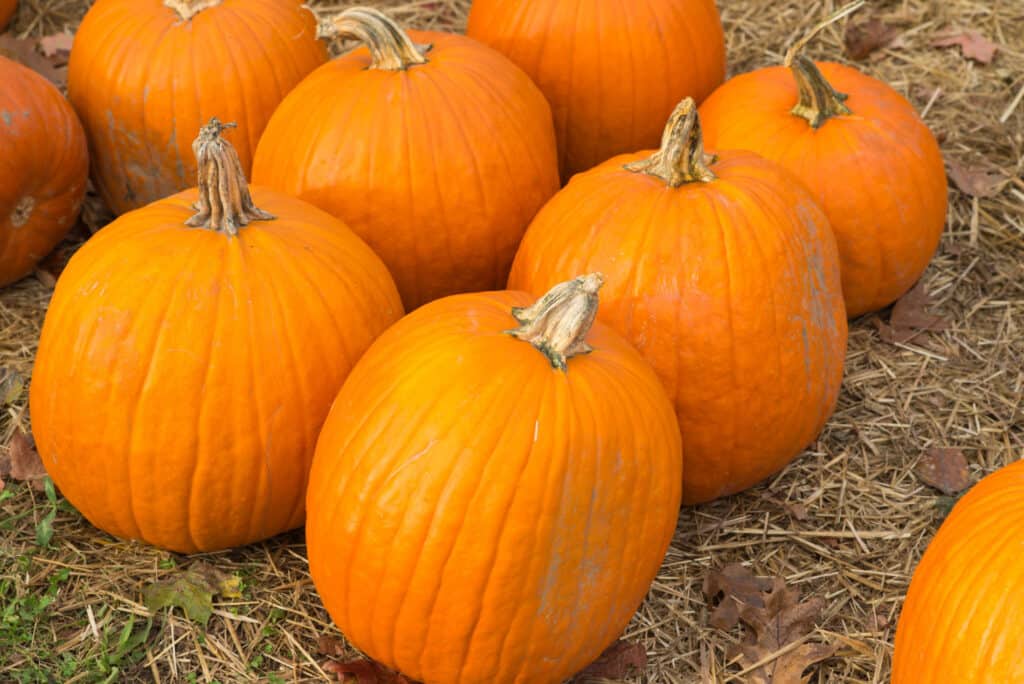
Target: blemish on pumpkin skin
{"type": "Point", "coordinates": [22, 211]}
{"type": "Point", "coordinates": [6, 116]}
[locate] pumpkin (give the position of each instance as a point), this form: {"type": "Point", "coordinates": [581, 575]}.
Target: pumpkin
{"type": "Point", "coordinates": [864, 153]}
{"type": "Point", "coordinates": [725, 276]}
{"type": "Point", "coordinates": [962, 619]}
{"type": "Point", "coordinates": [612, 71]}
{"type": "Point", "coordinates": [145, 74]}
{"type": "Point", "coordinates": [44, 165]}
{"type": "Point", "coordinates": [190, 355]}
{"type": "Point", "coordinates": [7, 10]}
{"type": "Point", "coordinates": [437, 154]}
{"type": "Point", "coordinates": [494, 489]}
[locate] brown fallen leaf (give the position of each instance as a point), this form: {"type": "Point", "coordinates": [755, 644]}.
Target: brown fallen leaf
{"type": "Point", "coordinates": [972, 44]}
{"type": "Point", "coordinates": [945, 469]}
{"type": "Point", "coordinates": [23, 50]}
{"type": "Point", "coordinates": [780, 623]}
{"type": "Point", "coordinates": [618, 661]}
{"type": "Point", "coordinates": [192, 590]}
{"type": "Point", "coordinates": [910, 318]}
{"type": "Point", "coordinates": [57, 44]}
{"type": "Point", "coordinates": [864, 38]}
{"type": "Point", "coordinates": [976, 181]}
{"type": "Point", "coordinates": [22, 462]}
{"type": "Point", "coordinates": [365, 672]}
{"type": "Point", "coordinates": [730, 586]}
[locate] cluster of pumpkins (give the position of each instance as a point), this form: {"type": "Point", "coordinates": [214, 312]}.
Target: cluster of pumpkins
{"type": "Point", "coordinates": [490, 482]}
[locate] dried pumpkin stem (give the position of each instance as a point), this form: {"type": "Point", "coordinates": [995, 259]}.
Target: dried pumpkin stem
{"type": "Point", "coordinates": [225, 204]}
{"type": "Point", "coordinates": [391, 48]}
{"type": "Point", "coordinates": [681, 158]}
{"type": "Point", "coordinates": [819, 101]}
{"type": "Point", "coordinates": [187, 9]}
{"type": "Point", "coordinates": [558, 323]}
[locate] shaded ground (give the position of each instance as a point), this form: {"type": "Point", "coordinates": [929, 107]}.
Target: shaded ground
{"type": "Point", "coordinates": [845, 523]}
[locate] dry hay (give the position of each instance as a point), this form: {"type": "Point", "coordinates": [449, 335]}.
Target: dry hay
{"type": "Point", "coordinates": [847, 522]}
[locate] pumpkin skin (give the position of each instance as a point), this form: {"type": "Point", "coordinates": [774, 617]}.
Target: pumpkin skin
{"type": "Point", "coordinates": [143, 80]}
{"type": "Point", "coordinates": [962, 611]}
{"type": "Point", "coordinates": [183, 374]}
{"type": "Point", "coordinates": [44, 165]}
{"type": "Point", "coordinates": [730, 289]}
{"type": "Point", "coordinates": [877, 172]}
{"type": "Point", "coordinates": [7, 10]}
{"type": "Point", "coordinates": [439, 166]}
{"type": "Point", "coordinates": [512, 520]}
{"type": "Point", "coordinates": [612, 71]}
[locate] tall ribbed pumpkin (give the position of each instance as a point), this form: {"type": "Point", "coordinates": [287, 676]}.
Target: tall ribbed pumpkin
{"type": "Point", "coordinates": [437, 154]}
{"type": "Point", "coordinates": [962, 620]}
{"type": "Point", "coordinates": [494, 489]}
{"type": "Point", "coordinates": [725, 275]}
{"type": "Point", "coordinates": [144, 75]}
{"type": "Point", "coordinates": [864, 153]}
{"type": "Point", "coordinates": [44, 165]}
{"type": "Point", "coordinates": [191, 353]}
{"type": "Point", "coordinates": [612, 70]}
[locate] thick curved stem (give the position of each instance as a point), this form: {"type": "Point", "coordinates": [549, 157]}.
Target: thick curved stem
{"type": "Point", "coordinates": [391, 48]}
{"type": "Point", "coordinates": [225, 204]}
{"type": "Point", "coordinates": [681, 158]}
{"type": "Point", "coordinates": [558, 323]}
{"type": "Point", "coordinates": [819, 101]}
{"type": "Point", "coordinates": [187, 9]}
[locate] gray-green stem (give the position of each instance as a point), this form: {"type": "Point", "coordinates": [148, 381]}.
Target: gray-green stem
{"type": "Point", "coordinates": [558, 323]}
{"type": "Point", "coordinates": [819, 101]}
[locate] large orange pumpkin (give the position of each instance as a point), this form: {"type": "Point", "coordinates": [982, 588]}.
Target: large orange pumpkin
{"type": "Point", "coordinates": [725, 275]}
{"type": "Point", "coordinates": [44, 165]}
{"type": "Point", "coordinates": [486, 511]}
{"type": "Point", "coordinates": [7, 10]}
{"type": "Point", "coordinates": [962, 620]}
{"type": "Point", "coordinates": [437, 155]}
{"type": "Point", "coordinates": [864, 153]}
{"type": "Point", "coordinates": [144, 76]}
{"type": "Point", "coordinates": [612, 70]}
{"type": "Point", "coordinates": [191, 353]}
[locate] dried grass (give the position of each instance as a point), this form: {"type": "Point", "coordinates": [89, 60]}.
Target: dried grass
{"type": "Point", "coordinates": [867, 519]}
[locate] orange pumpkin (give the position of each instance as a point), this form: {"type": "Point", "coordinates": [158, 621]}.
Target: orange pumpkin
{"type": "Point", "coordinates": [7, 10]}
{"type": "Point", "coordinates": [44, 165]}
{"type": "Point", "coordinates": [725, 275]}
{"type": "Point", "coordinates": [144, 75]}
{"type": "Point", "coordinates": [486, 511]}
{"type": "Point", "coordinates": [864, 153]}
{"type": "Point", "coordinates": [962, 618]}
{"type": "Point", "coordinates": [191, 353]}
{"type": "Point", "coordinates": [612, 70]}
{"type": "Point", "coordinates": [437, 155]}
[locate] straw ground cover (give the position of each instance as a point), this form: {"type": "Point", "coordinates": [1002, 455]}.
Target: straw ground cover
{"type": "Point", "coordinates": [846, 523]}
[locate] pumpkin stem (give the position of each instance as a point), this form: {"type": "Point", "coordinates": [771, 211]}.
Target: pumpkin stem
{"type": "Point", "coordinates": [187, 9]}
{"type": "Point", "coordinates": [819, 101]}
{"type": "Point", "coordinates": [557, 324]}
{"type": "Point", "coordinates": [681, 158]}
{"type": "Point", "coordinates": [391, 48]}
{"type": "Point", "coordinates": [224, 201]}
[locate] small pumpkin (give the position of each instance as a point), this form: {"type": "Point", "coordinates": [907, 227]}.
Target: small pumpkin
{"type": "Point", "coordinates": [494, 489]}
{"type": "Point", "coordinates": [144, 75]}
{"type": "Point", "coordinates": [44, 166]}
{"type": "Point", "coordinates": [435, 149]}
{"type": "Point", "coordinates": [725, 275]}
{"type": "Point", "coordinates": [190, 355]}
{"type": "Point", "coordinates": [612, 71]}
{"type": "Point", "coordinates": [7, 10]}
{"type": "Point", "coordinates": [864, 153]}
{"type": "Point", "coordinates": [962, 619]}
